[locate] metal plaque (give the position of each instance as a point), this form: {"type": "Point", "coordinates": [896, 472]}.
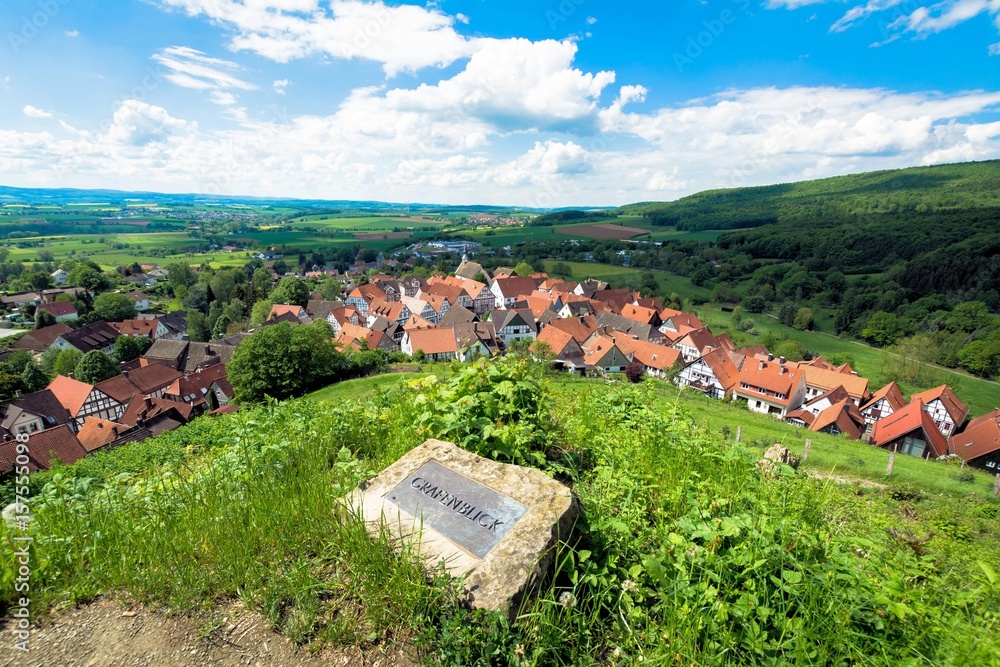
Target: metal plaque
{"type": "Point", "coordinates": [473, 516]}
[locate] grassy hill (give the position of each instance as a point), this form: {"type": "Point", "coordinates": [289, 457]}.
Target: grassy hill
{"type": "Point", "coordinates": [685, 553]}
{"type": "Point", "coordinates": [942, 188]}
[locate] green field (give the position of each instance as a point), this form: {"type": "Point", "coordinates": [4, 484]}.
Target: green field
{"type": "Point", "coordinates": [617, 276]}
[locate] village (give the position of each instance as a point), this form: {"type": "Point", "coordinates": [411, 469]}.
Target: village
{"type": "Point", "coordinates": [585, 328]}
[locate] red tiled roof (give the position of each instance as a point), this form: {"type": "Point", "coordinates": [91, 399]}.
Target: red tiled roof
{"type": "Point", "coordinates": [279, 309]}
{"type": "Point", "coordinates": [856, 386]}
{"type": "Point", "coordinates": [70, 393]}
{"type": "Point", "coordinates": [640, 314]}
{"type": "Point", "coordinates": [956, 408]}
{"type": "Point", "coordinates": [153, 377]}
{"type": "Point", "coordinates": [557, 340]}
{"type": "Point", "coordinates": [845, 415]}
{"type": "Point", "coordinates": [416, 322]}
{"type": "Point", "coordinates": [368, 292]}
{"type": "Point", "coordinates": [980, 437]}
{"type": "Point", "coordinates": [907, 420]}
{"type": "Point", "coordinates": [145, 409]}
{"type": "Point", "coordinates": [58, 442]}
{"type": "Point", "coordinates": [119, 388]}
{"type": "Point", "coordinates": [652, 355]}
{"type": "Point", "coordinates": [433, 341]}
{"type": "Point", "coordinates": [515, 287]}
{"type": "Point", "coordinates": [891, 393]}
{"type": "Point", "coordinates": [39, 339]}
{"type": "Point", "coordinates": [723, 368]}
{"type": "Point", "coordinates": [58, 308]}
{"type": "Point", "coordinates": [700, 339]}
{"type": "Point", "coordinates": [580, 328]}
{"type": "Point", "coordinates": [680, 319]}
{"type": "Point", "coordinates": [390, 310]}
{"type": "Point", "coordinates": [771, 377]}
{"type": "Point", "coordinates": [145, 328]}
{"type": "Point", "coordinates": [97, 433]}
{"type": "Point", "coordinates": [351, 333]}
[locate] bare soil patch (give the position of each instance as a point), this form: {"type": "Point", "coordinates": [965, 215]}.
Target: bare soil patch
{"type": "Point", "coordinates": [109, 633]}
{"type": "Point", "coordinates": [603, 231]}
{"type": "Point", "coordinates": [383, 235]}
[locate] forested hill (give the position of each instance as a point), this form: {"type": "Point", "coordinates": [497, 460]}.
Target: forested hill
{"type": "Point", "coordinates": [953, 189]}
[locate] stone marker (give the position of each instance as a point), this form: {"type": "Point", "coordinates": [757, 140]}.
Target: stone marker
{"type": "Point", "coordinates": [495, 523]}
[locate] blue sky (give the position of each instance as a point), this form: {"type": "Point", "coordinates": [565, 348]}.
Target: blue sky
{"type": "Point", "coordinates": [552, 103]}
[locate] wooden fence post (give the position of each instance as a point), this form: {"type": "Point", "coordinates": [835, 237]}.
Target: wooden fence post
{"type": "Point", "coordinates": [996, 486]}
{"type": "Point", "coordinates": [892, 460]}
{"type": "Point", "coordinates": [805, 452]}
{"type": "Point", "coordinates": [739, 433]}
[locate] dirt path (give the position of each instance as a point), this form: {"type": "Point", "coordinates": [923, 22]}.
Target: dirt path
{"type": "Point", "coordinates": [109, 634]}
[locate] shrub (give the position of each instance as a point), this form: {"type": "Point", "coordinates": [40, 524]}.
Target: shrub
{"type": "Point", "coordinates": [635, 371]}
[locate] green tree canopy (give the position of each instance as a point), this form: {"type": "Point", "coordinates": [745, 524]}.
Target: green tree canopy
{"type": "Point", "coordinates": [181, 274]}
{"type": "Point", "coordinates": [44, 318]}
{"type": "Point", "coordinates": [292, 291]}
{"type": "Point", "coordinates": [95, 366]}
{"type": "Point", "coordinates": [128, 348]}
{"type": "Point", "coordinates": [66, 361]}
{"type": "Point", "coordinates": [114, 307]}
{"type": "Point", "coordinates": [89, 276]}
{"type": "Point", "coordinates": [34, 378]}
{"type": "Point", "coordinates": [285, 360]}
{"type": "Point", "coordinates": [523, 269]}
{"type": "Point", "coordinates": [883, 329]}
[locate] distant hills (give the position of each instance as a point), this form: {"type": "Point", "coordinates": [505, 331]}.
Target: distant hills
{"type": "Point", "coordinates": [944, 189]}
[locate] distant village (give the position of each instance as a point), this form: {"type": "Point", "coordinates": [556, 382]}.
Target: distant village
{"type": "Point", "coordinates": [586, 328]}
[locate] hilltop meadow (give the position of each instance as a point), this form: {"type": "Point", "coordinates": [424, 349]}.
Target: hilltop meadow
{"type": "Point", "coordinates": [687, 552]}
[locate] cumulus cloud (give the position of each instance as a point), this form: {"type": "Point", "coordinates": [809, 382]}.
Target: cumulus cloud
{"type": "Point", "coordinates": [401, 38]}
{"type": "Point", "coordinates": [280, 85]}
{"type": "Point", "coordinates": [139, 124]}
{"type": "Point", "coordinates": [35, 112]}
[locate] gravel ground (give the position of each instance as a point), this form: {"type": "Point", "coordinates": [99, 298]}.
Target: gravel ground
{"type": "Point", "coordinates": [110, 634]}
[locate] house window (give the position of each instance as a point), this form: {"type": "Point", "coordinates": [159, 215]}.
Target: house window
{"type": "Point", "coordinates": [913, 446]}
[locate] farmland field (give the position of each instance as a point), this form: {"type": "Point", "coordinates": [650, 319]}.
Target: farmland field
{"type": "Point", "coordinates": [384, 235]}
{"type": "Point", "coordinates": [603, 231]}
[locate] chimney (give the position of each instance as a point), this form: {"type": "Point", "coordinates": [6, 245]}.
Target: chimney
{"type": "Point", "coordinates": [782, 370]}
{"type": "Point", "coordinates": [760, 365]}
{"type": "Point", "coordinates": [781, 360]}
{"type": "Point", "coordinates": [770, 357]}
{"type": "Point", "coordinates": [147, 402]}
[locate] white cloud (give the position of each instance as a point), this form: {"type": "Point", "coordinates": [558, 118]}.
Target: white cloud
{"type": "Point", "coordinates": [139, 124]}
{"type": "Point", "coordinates": [908, 16]}
{"type": "Point", "coordinates": [518, 124]}
{"type": "Point", "coordinates": [190, 68]}
{"type": "Point", "coordinates": [280, 85]}
{"type": "Point", "coordinates": [35, 112]}
{"type": "Point", "coordinates": [401, 38]}
{"type": "Point", "coordinates": [71, 33]}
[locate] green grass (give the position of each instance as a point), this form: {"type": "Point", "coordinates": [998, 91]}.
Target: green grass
{"type": "Point", "coordinates": [684, 548]}
{"type": "Point", "coordinates": [981, 396]}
